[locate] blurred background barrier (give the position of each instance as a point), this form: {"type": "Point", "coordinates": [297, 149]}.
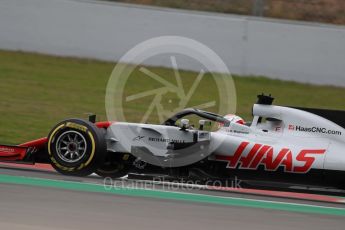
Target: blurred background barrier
{"type": "Point", "coordinates": [326, 11]}
{"type": "Point", "coordinates": [289, 50]}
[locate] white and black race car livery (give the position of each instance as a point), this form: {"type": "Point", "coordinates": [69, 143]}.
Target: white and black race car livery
{"type": "Point", "coordinates": [280, 143]}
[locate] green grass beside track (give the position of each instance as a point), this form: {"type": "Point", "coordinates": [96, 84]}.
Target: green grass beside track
{"type": "Point", "coordinates": [37, 91]}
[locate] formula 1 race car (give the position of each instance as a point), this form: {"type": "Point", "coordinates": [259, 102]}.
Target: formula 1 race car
{"type": "Point", "coordinates": [281, 143]}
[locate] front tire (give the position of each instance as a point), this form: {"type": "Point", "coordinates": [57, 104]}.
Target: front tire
{"type": "Point", "coordinates": [76, 147]}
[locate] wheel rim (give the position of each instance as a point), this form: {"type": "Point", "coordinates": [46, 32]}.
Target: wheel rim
{"type": "Point", "coordinates": [71, 146]}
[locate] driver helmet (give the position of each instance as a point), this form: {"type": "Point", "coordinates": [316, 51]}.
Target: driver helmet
{"type": "Point", "coordinates": [233, 119]}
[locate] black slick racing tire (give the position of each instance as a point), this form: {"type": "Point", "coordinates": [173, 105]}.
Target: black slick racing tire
{"type": "Point", "coordinates": [76, 147]}
{"type": "Point", "coordinates": [115, 165]}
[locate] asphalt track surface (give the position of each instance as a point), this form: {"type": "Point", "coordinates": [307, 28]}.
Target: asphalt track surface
{"type": "Point", "coordinates": [32, 206]}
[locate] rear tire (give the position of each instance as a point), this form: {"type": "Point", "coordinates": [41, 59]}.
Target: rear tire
{"type": "Point", "coordinates": [115, 165]}
{"type": "Point", "coordinates": [76, 147]}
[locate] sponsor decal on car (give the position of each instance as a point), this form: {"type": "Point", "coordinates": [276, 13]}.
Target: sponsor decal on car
{"type": "Point", "coordinates": [278, 129]}
{"type": "Point", "coordinates": [166, 140]}
{"type": "Point", "coordinates": [138, 138]}
{"type": "Point", "coordinates": [265, 155]}
{"type": "Point", "coordinates": [204, 134]}
{"type": "Point", "coordinates": [6, 150]}
{"type": "Point", "coordinates": [76, 126]}
{"type": "Point", "coordinates": [12, 152]}
{"type": "Point", "coordinates": [236, 131]}
{"type": "Point", "coordinates": [314, 130]}
{"type": "Point", "coordinates": [157, 139]}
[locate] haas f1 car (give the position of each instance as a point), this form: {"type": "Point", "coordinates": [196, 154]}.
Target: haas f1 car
{"type": "Point", "coordinates": [280, 144]}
